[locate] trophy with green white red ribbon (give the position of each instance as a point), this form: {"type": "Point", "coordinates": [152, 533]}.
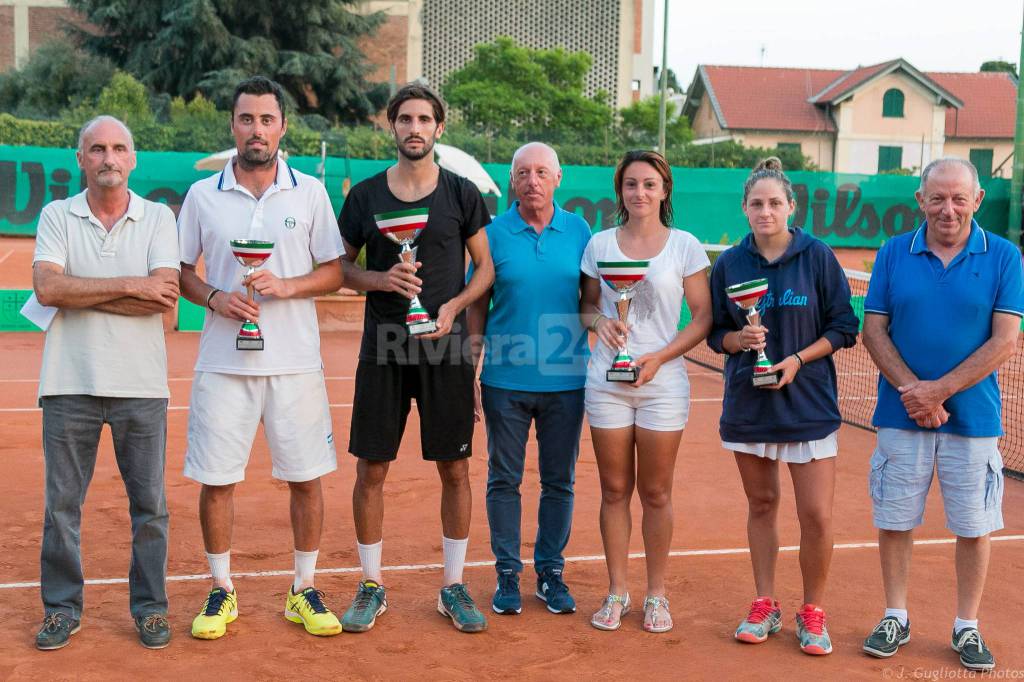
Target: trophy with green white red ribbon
{"type": "Point", "coordinates": [623, 277]}
{"type": "Point", "coordinates": [251, 253]}
{"type": "Point", "coordinates": [403, 227]}
{"type": "Point", "coordinates": [747, 295]}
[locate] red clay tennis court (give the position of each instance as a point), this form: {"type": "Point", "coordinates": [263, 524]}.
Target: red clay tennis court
{"type": "Point", "coordinates": [709, 584]}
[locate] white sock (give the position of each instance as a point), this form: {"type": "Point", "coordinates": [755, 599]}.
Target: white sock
{"type": "Point", "coordinates": [959, 624]}
{"type": "Point", "coordinates": [220, 567]}
{"type": "Point", "coordinates": [454, 559]}
{"type": "Point", "coordinates": [369, 559]}
{"type": "Point", "coordinates": [305, 567]}
{"type": "Point", "coordinates": [901, 614]}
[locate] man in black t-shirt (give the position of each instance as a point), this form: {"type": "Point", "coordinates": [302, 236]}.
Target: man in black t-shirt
{"type": "Point", "coordinates": [436, 368]}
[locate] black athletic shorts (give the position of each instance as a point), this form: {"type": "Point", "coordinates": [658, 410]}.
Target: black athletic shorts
{"type": "Point", "coordinates": [444, 400]}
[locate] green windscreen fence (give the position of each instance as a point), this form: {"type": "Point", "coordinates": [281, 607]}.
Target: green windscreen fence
{"type": "Point", "coordinates": [842, 209]}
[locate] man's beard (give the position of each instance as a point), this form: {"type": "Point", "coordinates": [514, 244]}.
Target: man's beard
{"type": "Point", "coordinates": [428, 146]}
{"type": "Point", "coordinates": [254, 158]}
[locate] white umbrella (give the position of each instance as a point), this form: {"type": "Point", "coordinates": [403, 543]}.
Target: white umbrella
{"type": "Point", "coordinates": [461, 163]}
{"type": "Point", "coordinates": [216, 162]}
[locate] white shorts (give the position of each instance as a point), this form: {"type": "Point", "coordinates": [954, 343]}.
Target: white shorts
{"type": "Point", "coordinates": [798, 452]}
{"type": "Point", "coordinates": [613, 410]}
{"type": "Point", "coordinates": [226, 409]}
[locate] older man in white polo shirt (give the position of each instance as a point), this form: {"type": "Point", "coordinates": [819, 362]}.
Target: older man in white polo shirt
{"type": "Point", "coordinates": [108, 259]}
{"type": "Point", "coordinates": [259, 197]}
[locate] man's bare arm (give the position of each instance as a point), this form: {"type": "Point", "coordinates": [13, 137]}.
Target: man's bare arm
{"type": "Point", "coordinates": [325, 279]}
{"type": "Point", "coordinates": [227, 303]}
{"type": "Point", "coordinates": [895, 370]}
{"type": "Point", "coordinates": [55, 288]}
{"type": "Point", "coordinates": [883, 351]}
{"type": "Point", "coordinates": [921, 396]}
{"type": "Point", "coordinates": [136, 307]}
{"type": "Point", "coordinates": [479, 284]}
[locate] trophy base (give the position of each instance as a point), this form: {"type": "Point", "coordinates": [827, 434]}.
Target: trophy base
{"type": "Point", "coordinates": [248, 343]}
{"type": "Point", "coordinates": [418, 328]}
{"type": "Point", "coordinates": [629, 375]}
{"type": "Point", "coordinates": [766, 379]}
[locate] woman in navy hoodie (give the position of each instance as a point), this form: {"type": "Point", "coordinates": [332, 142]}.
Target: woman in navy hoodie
{"type": "Point", "coordinates": [805, 316]}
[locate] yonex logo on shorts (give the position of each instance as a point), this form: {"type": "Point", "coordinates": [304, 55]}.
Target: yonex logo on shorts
{"type": "Point", "coordinates": [289, 222]}
{"type": "Point", "coordinates": [330, 437]}
{"type": "Point", "coordinates": [465, 446]}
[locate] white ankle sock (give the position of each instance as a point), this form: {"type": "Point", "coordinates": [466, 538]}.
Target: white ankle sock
{"type": "Point", "coordinates": [959, 624]}
{"type": "Point", "coordinates": [454, 559]}
{"type": "Point", "coordinates": [901, 614]}
{"type": "Point", "coordinates": [220, 567]}
{"type": "Point", "coordinates": [305, 568]}
{"type": "Point", "coordinates": [369, 559]}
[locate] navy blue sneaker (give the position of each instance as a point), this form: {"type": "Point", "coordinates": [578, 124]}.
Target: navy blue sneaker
{"type": "Point", "coordinates": [506, 596]}
{"type": "Point", "coordinates": [552, 589]}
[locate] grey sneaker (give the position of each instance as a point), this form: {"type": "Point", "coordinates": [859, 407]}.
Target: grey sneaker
{"type": "Point", "coordinates": [974, 655]}
{"type": "Point", "coordinates": [56, 631]}
{"type": "Point", "coordinates": [454, 602]}
{"type": "Point", "coordinates": [887, 637]}
{"type": "Point", "coordinates": [154, 630]}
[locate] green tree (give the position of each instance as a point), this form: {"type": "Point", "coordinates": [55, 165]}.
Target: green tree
{"type": "Point", "coordinates": [126, 99]}
{"type": "Point", "coordinates": [639, 125]}
{"type": "Point", "coordinates": [56, 76]}
{"type": "Point", "coordinates": [526, 93]}
{"type": "Point", "coordinates": [673, 82]}
{"type": "Point", "coordinates": [199, 126]}
{"type": "Point", "coordinates": [181, 47]}
{"type": "Point", "coordinates": [999, 65]}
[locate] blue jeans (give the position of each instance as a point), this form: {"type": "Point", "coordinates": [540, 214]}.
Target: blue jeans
{"type": "Point", "coordinates": [559, 419]}
{"type": "Point", "coordinates": [71, 435]}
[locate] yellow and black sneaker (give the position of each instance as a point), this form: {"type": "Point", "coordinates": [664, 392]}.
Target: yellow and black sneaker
{"type": "Point", "coordinates": [221, 608]}
{"type": "Point", "coordinates": [307, 607]}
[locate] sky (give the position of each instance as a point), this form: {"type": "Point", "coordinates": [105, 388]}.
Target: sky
{"type": "Point", "coordinates": [933, 35]}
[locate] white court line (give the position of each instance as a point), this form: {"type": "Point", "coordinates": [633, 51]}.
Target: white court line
{"type": "Point", "coordinates": [477, 564]}
{"type": "Point", "coordinates": [6, 255]}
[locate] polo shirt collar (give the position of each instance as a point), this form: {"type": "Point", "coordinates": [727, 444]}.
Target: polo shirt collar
{"type": "Point", "coordinates": [285, 176]}
{"type": "Point", "coordinates": [517, 223]}
{"type": "Point", "coordinates": [80, 206]}
{"type": "Point", "coordinates": [977, 241]}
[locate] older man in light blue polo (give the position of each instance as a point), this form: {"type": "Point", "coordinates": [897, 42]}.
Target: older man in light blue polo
{"type": "Point", "coordinates": [943, 312]}
{"type": "Point", "coordinates": [534, 371]}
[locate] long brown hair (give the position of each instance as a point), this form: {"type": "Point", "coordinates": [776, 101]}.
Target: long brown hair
{"type": "Point", "coordinates": [659, 164]}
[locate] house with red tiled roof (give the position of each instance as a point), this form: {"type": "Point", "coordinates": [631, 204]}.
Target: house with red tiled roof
{"type": "Point", "coordinates": [871, 119]}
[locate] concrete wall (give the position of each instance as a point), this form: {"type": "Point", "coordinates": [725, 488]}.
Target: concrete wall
{"type": "Point", "coordinates": [863, 129]}
{"type": "Point", "coordinates": [1001, 149]}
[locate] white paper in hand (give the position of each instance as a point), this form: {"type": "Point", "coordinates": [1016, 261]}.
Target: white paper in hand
{"type": "Point", "coordinates": [38, 314]}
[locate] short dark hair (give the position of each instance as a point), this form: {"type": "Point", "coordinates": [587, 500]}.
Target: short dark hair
{"type": "Point", "coordinates": [660, 165]}
{"type": "Point", "coordinates": [259, 85]}
{"type": "Point", "coordinates": [415, 91]}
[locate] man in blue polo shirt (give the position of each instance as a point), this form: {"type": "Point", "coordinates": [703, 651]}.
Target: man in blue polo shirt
{"type": "Point", "coordinates": [534, 370]}
{"type": "Point", "coordinates": [943, 312]}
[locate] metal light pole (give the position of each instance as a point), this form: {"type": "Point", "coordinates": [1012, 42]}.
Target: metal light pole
{"type": "Point", "coordinates": [663, 85]}
{"type": "Point", "coordinates": [1016, 185]}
